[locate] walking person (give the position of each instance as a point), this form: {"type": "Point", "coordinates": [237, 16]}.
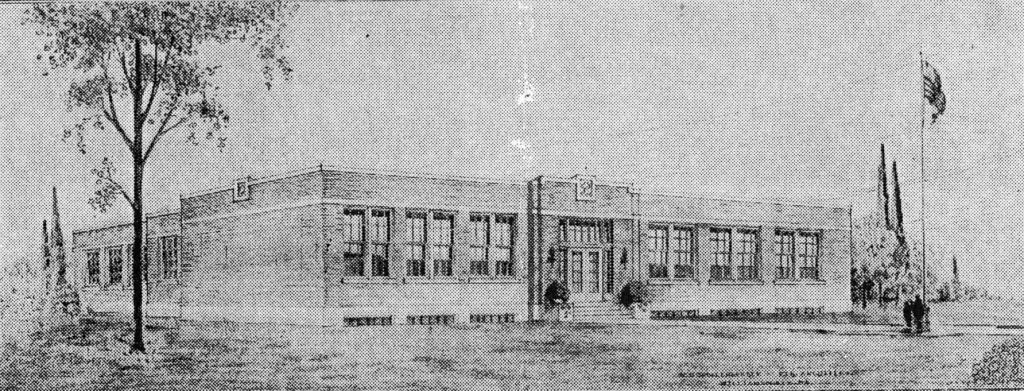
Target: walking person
{"type": "Point", "coordinates": [919, 313]}
{"type": "Point", "coordinates": [908, 314]}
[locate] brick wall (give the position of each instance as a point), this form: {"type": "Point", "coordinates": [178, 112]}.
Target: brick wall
{"type": "Point", "coordinates": [276, 255]}
{"type": "Point", "coordinates": [630, 211]}
{"type": "Point", "coordinates": [399, 295]}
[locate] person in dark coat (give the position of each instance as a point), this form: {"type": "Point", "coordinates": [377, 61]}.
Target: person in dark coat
{"type": "Point", "coordinates": [865, 291]}
{"type": "Point", "coordinates": [908, 314]}
{"type": "Point", "coordinates": [919, 313]}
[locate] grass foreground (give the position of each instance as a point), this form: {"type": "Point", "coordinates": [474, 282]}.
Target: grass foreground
{"type": "Point", "coordinates": [92, 354]}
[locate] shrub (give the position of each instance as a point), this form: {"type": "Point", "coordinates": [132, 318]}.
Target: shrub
{"type": "Point", "coordinates": [556, 293]}
{"type": "Point", "coordinates": [635, 292]}
{"type": "Point", "coordinates": [1002, 365]}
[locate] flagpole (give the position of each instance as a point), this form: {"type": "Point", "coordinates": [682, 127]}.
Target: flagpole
{"type": "Point", "coordinates": [924, 267]}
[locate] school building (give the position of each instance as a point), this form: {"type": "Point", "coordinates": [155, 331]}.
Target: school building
{"type": "Point", "coordinates": [337, 246]}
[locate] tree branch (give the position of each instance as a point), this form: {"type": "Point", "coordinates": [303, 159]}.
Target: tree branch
{"type": "Point", "coordinates": [111, 183]}
{"type": "Point", "coordinates": [124, 69]}
{"type": "Point", "coordinates": [137, 93]}
{"type": "Point", "coordinates": [164, 129]}
{"type": "Point", "coordinates": [156, 80]}
{"type": "Point", "coordinates": [112, 114]}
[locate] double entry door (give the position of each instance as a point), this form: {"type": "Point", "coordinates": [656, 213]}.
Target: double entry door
{"type": "Point", "coordinates": [588, 277]}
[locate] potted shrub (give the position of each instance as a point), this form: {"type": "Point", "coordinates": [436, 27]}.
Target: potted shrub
{"type": "Point", "coordinates": [556, 296]}
{"type": "Point", "coordinates": [636, 296]}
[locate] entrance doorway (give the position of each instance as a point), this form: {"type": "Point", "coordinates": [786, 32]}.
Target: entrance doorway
{"type": "Point", "coordinates": [585, 282]}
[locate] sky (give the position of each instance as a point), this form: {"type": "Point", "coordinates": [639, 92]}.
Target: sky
{"type": "Point", "coordinates": [764, 100]}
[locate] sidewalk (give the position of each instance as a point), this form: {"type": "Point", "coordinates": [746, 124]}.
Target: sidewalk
{"type": "Point", "coordinates": [937, 330]}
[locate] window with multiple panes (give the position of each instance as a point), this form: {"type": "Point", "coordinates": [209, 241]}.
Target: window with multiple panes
{"type": "Point", "coordinates": [657, 246]}
{"type": "Point", "coordinates": [785, 254]}
{"type": "Point", "coordinates": [585, 231]}
{"type": "Point", "coordinates": [168, 246]}
{"type": "Point", "coordinates": [721, 247]}
{"type": "Point", "coordinates": [748, 265]}
{"type": "Point", "coordinates": [380, 242]}
{"type": "Point", "coordinates": [671, 252]}
{"type": "Point", "coordinates": [92, 262]}
{"type": "Point", "coordinates": [353, 237]}
{"type": "Point", "coordinates": [503, 244]}
{"type": "Point", "coordinates": [115, 265]}
{"type": "Point", "coordinates": [442, 235]}
{"type": "Point", "coordinates": [479, 228]}
{"type": "Point", "coordinates": [416, 258]}
{"type": "Point", "coordinates": [808, 255]}
{"type": "Point", "coordinates": [683, 254]}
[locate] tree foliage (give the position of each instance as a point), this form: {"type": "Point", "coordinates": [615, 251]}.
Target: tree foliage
{"type": "Point", "coordinates": [137, 67]}
{"type": "Point", "coordinates": [136, 71]}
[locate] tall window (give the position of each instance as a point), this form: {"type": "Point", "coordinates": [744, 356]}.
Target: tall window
{"type": "Point", "coordinates": [442, 233]}
{"type": "Point", "coordinates": [416, 261]}
{"type": "Point", "coordinates": [748, 268]}
{"type": "Point", "coordinates": [115, 263]}
{"type": "Point", "coordinates": [479, 226]}
{"type": "Point", "coordinates": [721, 245]}
{"type": "Point", "coordinates": [169, 256]}
{"type": "Point", "coordinates": [503, 241]}
{"type": "Point", "coordinates": [380, 240]}
{"type": "Point", "coordinates": [353, 237]}
{"type": "Point", "coordinates": [785, 253]}
{"type": "Point", "coordinates": [809, 256]}
{"type": "Point", "coordinates": [92, 262]}
{"type": "Point", "coordinates": [657, 237]}
{"type": "Point", "coordinates": [682, 248]}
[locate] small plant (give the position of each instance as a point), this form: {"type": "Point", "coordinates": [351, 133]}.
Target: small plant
{"type": "Point", "coordinates": [556, 293]}
{"type": "Point", "coordinates": [635, 293]}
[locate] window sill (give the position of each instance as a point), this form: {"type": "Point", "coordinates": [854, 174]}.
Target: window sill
{"type": "Point", "coordinates": [369, 280]}
{"type": "Point", "coordinates": [431, 280]}
{"type": "Point", "coordinates": [799, 282]}
{"type": "Point", "coordinates": [735, 282]}
{"type": "Point", "coordinates": [494, 280]}
{"type": "Point", "coordinates": [670, 281]}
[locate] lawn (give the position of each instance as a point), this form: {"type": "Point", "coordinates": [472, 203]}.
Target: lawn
{"type": "Point", "coordinates": [521, 356]}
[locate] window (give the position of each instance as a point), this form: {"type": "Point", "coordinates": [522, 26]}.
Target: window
{"type": "Point", "coordinates": [503, 241]}
{"type": "Point", "coordinates": [721, 245]}
{"type": "Point", "coordinates": [479, 226]}
{"type": "Point", "coordinates": [657, 237]}
{"type": "Point", "coordinates": [353, 238]}
{"type": "Point", "coordinates": [169, 256]}
{"type": "Point", "coordinates": [671, 250]}
{"type": "Point", "coordinates": [115, 263]}
{"type": "Point", "coordinates": [584, 231]}
{"type": "Point", "coordinates": [92, 261]}
{"type": "Point", "coordinates": [785, 253]}
{"type": "Point", "coordinates": [442, 233]}
{"type": "Point", "coordinates": [416, 261]}
{"type": "Point", "coordinates": [748, 268]}
{"type": "Point", "coordinates": [380, 240]}
{"type": "Point", "coordinates": [809, 256]}
{"type": "Point", "coordinates": [682, 248]}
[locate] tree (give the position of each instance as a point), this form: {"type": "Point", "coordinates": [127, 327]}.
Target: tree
{"type": "Point", "coordinates": [137, 74]}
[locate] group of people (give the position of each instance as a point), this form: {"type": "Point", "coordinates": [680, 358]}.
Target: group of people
{"type": "Point", "coordinates": [915, 314]}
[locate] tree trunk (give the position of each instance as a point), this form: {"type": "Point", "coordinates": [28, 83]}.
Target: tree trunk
{"type": "Point", "coordinates": [138, 343]}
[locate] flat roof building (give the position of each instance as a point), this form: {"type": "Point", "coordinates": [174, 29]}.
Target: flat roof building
{"type": "Point", "coordinates": [336, 246]}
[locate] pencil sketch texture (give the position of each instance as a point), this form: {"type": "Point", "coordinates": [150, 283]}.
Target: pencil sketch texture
{"type": "Point", "coordinates": [513, 195]}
